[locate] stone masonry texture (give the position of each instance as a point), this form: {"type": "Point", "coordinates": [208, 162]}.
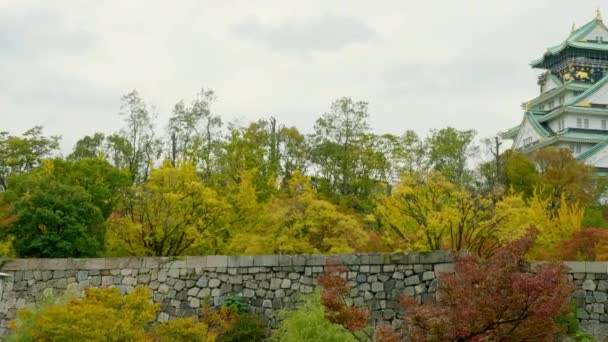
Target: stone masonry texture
{"type": "Point", "coordinates": [268, 283]}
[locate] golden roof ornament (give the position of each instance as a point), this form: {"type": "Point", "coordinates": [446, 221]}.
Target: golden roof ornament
{"type": "Point", "coordinates": [598, 15]}
{"type": "Point", "coordinates": [573, 27]}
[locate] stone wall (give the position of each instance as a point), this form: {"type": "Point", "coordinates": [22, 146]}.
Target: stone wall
{"type": "Point", "coordinates": [268, 283]}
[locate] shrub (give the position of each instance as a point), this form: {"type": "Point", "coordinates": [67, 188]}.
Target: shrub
{"type": "Point", "coordinates": [496, 299]}
{"type": "Point", "coordinates": [232, 323]}
{"type": "Point", "coordinates": [102, 315]}
{"type": "Point", "coordinates": [308, 323]}
{"type": "Point", "coordinates": [247, 328]}
{"type": "Point", "coordinates": [186, 329]}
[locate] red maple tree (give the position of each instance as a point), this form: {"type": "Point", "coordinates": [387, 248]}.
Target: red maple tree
{"type": "Point", "coordinates": [334, 297]}
{"type": "Point", "coordinates": [502, 298]}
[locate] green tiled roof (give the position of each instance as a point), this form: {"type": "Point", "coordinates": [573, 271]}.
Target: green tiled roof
{"type": "Point", "coordinates": [575, 40]}
{"type": "Point", "coordinates": [579, 134]}
{"type": "Point", "coordinates": [510, 133]}
{"type": "Point", "coordinates": [537, 126]}
{"type": "Point", "coordinates": [593, 150]}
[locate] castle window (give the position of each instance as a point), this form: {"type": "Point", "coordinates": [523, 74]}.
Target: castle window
{"type": "Point", "coordinates": [578, 148]}
{"type": "Point", "coordinates": [586, 123]}
{"type": "Point", "coordinates": [579, 123]}
{"type": "Point", "coordinates": [527, 141]}
{"type": "Point", "coordinates": [603, 124]}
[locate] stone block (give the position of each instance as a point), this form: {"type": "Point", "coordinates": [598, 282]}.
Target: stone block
{"type": "Point", "coordinates": [434, 257]}
{"type": "Point", "coordinates": [285, 283]}
{"type": "Point", "coordinates": [217, 261]}
{"type": "Point", "coordinates": [214, 283]}
{"type": "Point", "coordinates": [377, 287]}
{"type": "Point", "coordinates": [589, 285]}
{"type": "Point", "coordinates": [576, 266]}
{"type": "Point", "coordinates": [444, 268]}
{"type": "Point", "coordinates": [315, 260]}
{"type": "Point", "coordinates": [413, 280]}
{"type": "Point", "coordinates": [428, 275]}
{"type": "Point", "coordinates": [266, 260]}
{"type": "Point", "coordinates": [596, 267]}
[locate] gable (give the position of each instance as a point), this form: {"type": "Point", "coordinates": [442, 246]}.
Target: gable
{"type": "Point", "coordinates": [551, 83]}
{"type": "Point", "coordinates": [527, 134]}
{"type": "Point", "coordinates": [599, 31]}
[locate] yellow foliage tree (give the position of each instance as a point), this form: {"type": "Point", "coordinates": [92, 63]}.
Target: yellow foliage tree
{"type": "Point", "coordinates": [300, 222]}
{"type": "Point", "coordinates": [103, 315]}
{"type": "Point", "coordinates": [554, 226]}
{"type": "Point", "coordinates": [426, 212]}
{"type": "Point", "coordinates": [172, 213]}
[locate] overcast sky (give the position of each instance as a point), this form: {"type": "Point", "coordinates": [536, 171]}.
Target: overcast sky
{"type": "Point", "coordinates": [420, 64]}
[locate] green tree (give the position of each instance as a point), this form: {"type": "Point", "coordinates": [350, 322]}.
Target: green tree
{"type": "Point", "coordinates": [143, 146]}
{"type": "Point", "coordinates": [449, 151]}
{"type": "Point", "coordinates": [194, 133]}
{"type": "Point", "coordinates": [57, 221]}
{"type": "Point", "coordinates": [518, 173]}
{"type": "Point", "coordinates": [89, 147]}
{"type": "Point", "coordinates": [103, 182]}
{"type": "Point", "coordinates": [19, 154]}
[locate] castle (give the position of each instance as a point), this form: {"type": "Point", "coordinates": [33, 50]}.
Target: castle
{"type": "Point", "coordinates": [571, 110]}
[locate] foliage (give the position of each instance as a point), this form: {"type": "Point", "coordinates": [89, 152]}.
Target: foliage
{"type": "Point", "coordinates": [230, 324]}
{"type": "Point", "coordinates": [338, 310]}
{"type": "Point", "coordinates": [562, 176]}
{"type": "Point", "coordinates": [57, 220]}
{"type": "Point", "coordinates": [194, 133]}
{"type": "Point", "coordinates": [307, 323]}
{"type": "Point", "coordinates": [448, 152]}
{"type": "Point", "coordinates": [103, 315]}
{"type": "Point", "coordinates": [427, 212]}
{"type": "Point", "coordinates": [300, 222]}
{"type": "Point", "coordinates": [20, 154]}
{"type": "Point", "coordinates": [140, 146]}
{"type": "Point", "coordinates": [518, 173]}
{"type": "Point", "coordinates": [237, 304]}
{"type": "Point", "coordinates": [103, 182]}
{"type": "Point", "coordinates": [554, 227]}
{"type": "Point", "coordinates": [246, 328]}
{"type": "Point", "coordinates": [172, 213]}
{"type": "Point", "coordinates": [186, 329]}
{"type": "Point", "coordinates": [493, 299]}
{"type": "Point", "coordinates": [588, 244]}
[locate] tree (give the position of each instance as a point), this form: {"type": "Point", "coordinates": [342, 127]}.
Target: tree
{"type": "Point", "coordinates": [589, 244]}
{"type": "Point", "coordinates": [300, 222]}
{"type": "Point", "coordinates": [335, 299]}
{"type": "Point", "coordinates": [171, 214]}
{"type": "Point", "coordinates": [425, 211]}
{"type": "Point", "coordinates": [89, 147]}
{"type": "Point", "coordinates": [496, 299]}
{"type": "Point", "coordinates": [561, 174]}
{"type": "Point", "coordinates": [143, 146]}
{"type": "Point", "coordinates": [103, 182]}
{"type": "Point", "coordinates": [20, 154]}
{"type": "Point", "coordinates": [194, 133]}
{"type": "Point", "coordinates": [449, 151]}
{"type": "Point", "coordinates": [518, 173]}
{"type": "Point", "coordinates": [57, 221]}
{"type": "Point", "coordinates": [337, 135]}
{"type": "Point", "coordinates": [351, 164]}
